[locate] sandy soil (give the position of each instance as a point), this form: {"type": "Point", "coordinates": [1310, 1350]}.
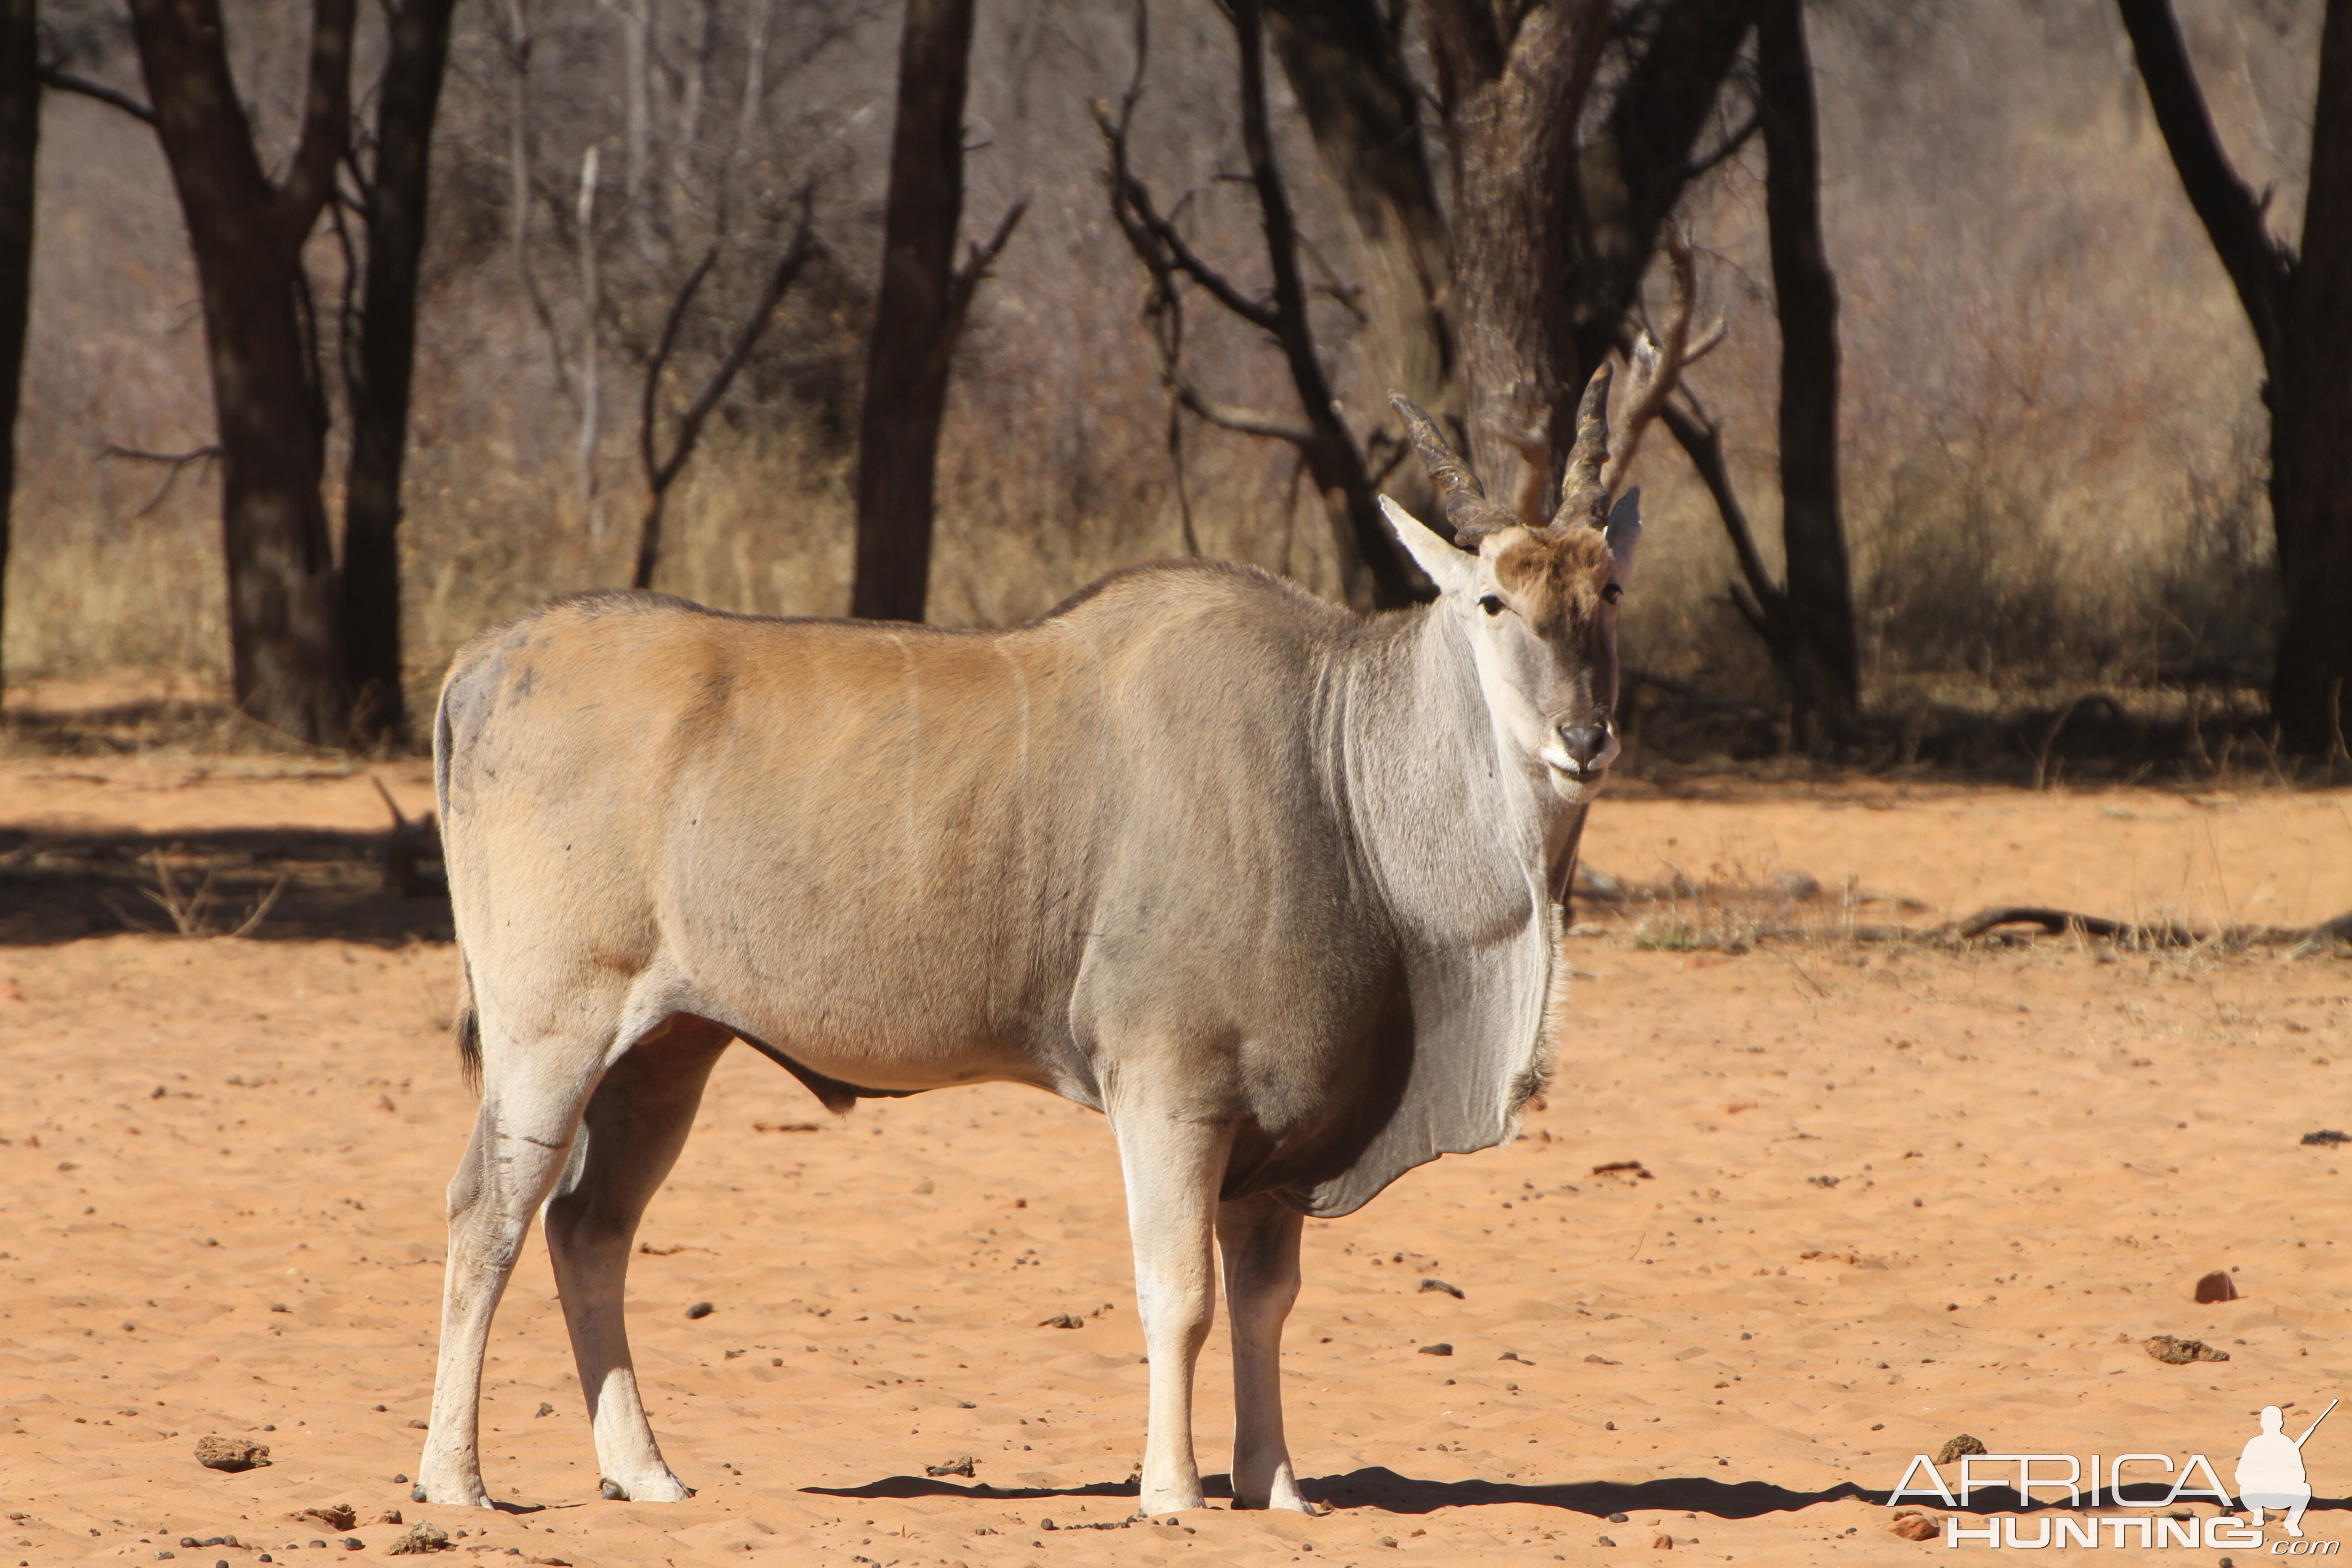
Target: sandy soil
{"type": "Point", "coordinates": [1895, 1194]}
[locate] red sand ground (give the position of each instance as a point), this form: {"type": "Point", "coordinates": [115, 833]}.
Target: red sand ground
{"type": "Point", "coordinates": [221, 1165]}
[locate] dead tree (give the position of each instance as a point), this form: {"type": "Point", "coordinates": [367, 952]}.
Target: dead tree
{"type": "Point", "coordinates": [1553, 234]}
{"type": "Point", "coordinates": [1346, 63]}
{"type": "Point", "coordinates": [20, 132]}
{"type": "Point", "coordinates": [1512, 84]}
{"type": "Point", "coordinates": [1373, 567]}
{"type": "Point", "coordinates": [392, 201]}
{"type": "Point", "coordinates": [248, 232]}
{"type": "Point", "coordinates": [919, 312]}
{"type": "Point", "coordinates": [1806, 620]}
{"type": "Point", "coordinates": [2299, 304]}
{"type": "Point", "coordinates": [662, 471]}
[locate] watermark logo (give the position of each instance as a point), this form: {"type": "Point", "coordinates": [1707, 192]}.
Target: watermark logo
{"type": "Point", "coordinates": [2270, 1476]}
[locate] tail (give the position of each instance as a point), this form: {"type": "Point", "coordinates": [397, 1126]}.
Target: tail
{"type": "Point", "coordinates": [467, 1026]}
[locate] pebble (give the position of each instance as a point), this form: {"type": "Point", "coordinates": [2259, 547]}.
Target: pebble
{"type": "Point", "coordinates": [2216, 1286]}
{"type": "Point", "coordinates": [1956, 1446]}
{"type": "Point", "coordinates": [700, 1309]}
{"type": "Point", "coordinates": [1440, 1348]}
{"type": "Point", "coordinates": [1443, 1288]}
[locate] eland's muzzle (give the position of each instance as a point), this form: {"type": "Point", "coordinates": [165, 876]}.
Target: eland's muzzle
{"type": "Point", "coordinates": [1586, 747]}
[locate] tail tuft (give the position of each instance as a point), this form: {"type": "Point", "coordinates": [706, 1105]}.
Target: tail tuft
{"type": "Point", "coordinates": [469, 1048]}
{"type": "Point", "coordinates": [468, 1028]}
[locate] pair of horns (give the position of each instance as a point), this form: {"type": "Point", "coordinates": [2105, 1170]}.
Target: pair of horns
{"type": "Point", "coordinates": [1472, 516]}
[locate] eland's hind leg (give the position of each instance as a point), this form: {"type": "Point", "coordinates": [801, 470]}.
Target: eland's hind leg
{"type": "Point", "coordinates": [1173, 1168]}
{"type": "Point", "coordinates": [531, 1099]}
{"type": "Point", "coordinates": [1259, 1240]}
{"type": "Point", "coordinates": [634, 1127]}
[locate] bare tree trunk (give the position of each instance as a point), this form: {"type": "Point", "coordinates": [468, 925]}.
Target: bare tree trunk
{"type": "Point", "coordinates": [1345, 61]}
{"type": "Point", "coordinates": [907, 367]}
{"type": "Point", "coordinates": [1817, 646]}
{"type": "Point", "coordinates": [2311, 416]}
{"type": "Point", "coordinates": [247, 235]}
{"type": "Point", "coordinates": [20, 132]}
{"type": "Point", "coordinates": [2300, 308]}
{"type": "Point", "coordinates": [407, 97]}
{"type": "Point", "coordinates": [1513, 86]}
{"type": "Point", "coordinates": [1638, 158]}
{"type": "Point", "coordinates": [592, 412]}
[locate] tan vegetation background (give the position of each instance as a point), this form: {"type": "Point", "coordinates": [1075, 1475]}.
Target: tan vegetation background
{"type": "Point", "coordinates": [2052, 452]}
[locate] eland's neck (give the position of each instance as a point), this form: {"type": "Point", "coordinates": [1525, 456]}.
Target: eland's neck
{"type": "Point", "coordinates": [1459, 830]}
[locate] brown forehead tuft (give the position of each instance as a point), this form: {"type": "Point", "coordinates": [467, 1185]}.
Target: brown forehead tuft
{"type": "Point", "coordinates": [1555, 578]}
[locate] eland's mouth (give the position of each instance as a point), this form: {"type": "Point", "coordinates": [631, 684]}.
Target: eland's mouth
{"type": "Point", "coordinates": [1573, 783]}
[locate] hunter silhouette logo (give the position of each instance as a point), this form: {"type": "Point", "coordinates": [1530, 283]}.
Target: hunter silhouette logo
{"type": "Point", "coordinates": [2270, 1476]}
{"type": "Point", "coordinates": [2270, 1472]}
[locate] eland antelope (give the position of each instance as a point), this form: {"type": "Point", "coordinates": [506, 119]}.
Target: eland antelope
{"type": "Point", "coordinates": [1273, 884]}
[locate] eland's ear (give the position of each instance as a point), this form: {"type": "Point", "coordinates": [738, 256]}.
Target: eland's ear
{"type": "Point", "coordinates": [1454, 571]}
{"type": "Point", "coordinates": [1624, 531]}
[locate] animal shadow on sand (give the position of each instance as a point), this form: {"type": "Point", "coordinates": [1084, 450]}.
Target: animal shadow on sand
{"type": "Point", "coordinates": [1378, 1487]}
{"type": "Point", "coordinates": [1381, 1488]}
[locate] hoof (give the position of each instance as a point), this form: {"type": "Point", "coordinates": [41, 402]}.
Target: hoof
{"type": "Point", "coordinates": [663, 1487]}
{"type": "Point", "coordinates": [1161, 1504]}
{"type": "Point", "coordinates": [461, 1496]}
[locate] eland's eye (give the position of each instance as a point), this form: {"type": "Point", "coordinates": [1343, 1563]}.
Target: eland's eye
{"type": "Point", "coordinates": [1612, 593]}
{"type": "Point", "coordinates": [1491, 605]}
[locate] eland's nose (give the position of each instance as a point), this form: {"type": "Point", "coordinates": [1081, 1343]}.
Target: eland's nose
{"type": "Point", "coordinates": [1584, 743]}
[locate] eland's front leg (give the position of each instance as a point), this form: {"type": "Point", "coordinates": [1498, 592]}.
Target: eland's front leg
{"type": "Point", "coordinates": [1259, 1239]}
{"type": "Point", "coordinates": [1172, 1169]}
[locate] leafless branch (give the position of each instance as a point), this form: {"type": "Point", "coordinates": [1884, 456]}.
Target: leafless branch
{"type": "Point", "coordinates": [1731, 145]}
{"type": "Point", "coordinates": [966, 282]}
{"type": "Point", "coordinates": [662, 472]}
{"type": "Point", "coordinates": [64, 80]}
{"type": "Point", "coordinates": [176, 460]}
{"type": "Point", "coordinates": [1230, 417]}
{"type": "Point", "coordinates": [1657, 362]}
{"type": "Point", "coordinates": [1759, 598]}
{"type": "Point", "coordinates": [1151, 235]}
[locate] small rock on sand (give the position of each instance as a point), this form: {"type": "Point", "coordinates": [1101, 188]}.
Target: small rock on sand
{"type": "Point", "coordinates": [958, 1466]}
{"type": "Point", "coordinates": [700, 1309]}
{"type": "Point", "coordinates": [231, 1454]}
{"type": "Point", "coordinates": [334, 1516]}
{"type": "Point", "coordinates": [1439, 1348]}
{"type": "Point", "coordinates": [1062, 1320]}
{"type": "Point", "coordinates": [1957, 1448]}
{"type": "Point", "coordinates": [2176, 1351]}
{"type": "Point", "coordinates": [1661, 1543]}
{"type": "Point", "coordinates": [1443, 1289]}
{"type": "Point", "coordinates": [1914, 1527]}
{"type": "Point", "coordinates": [422, 1536]}
{"type": "Point", "coordinates": [2216, 1286]}
{"type": "Point", "coordinates": [544, 1409]}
